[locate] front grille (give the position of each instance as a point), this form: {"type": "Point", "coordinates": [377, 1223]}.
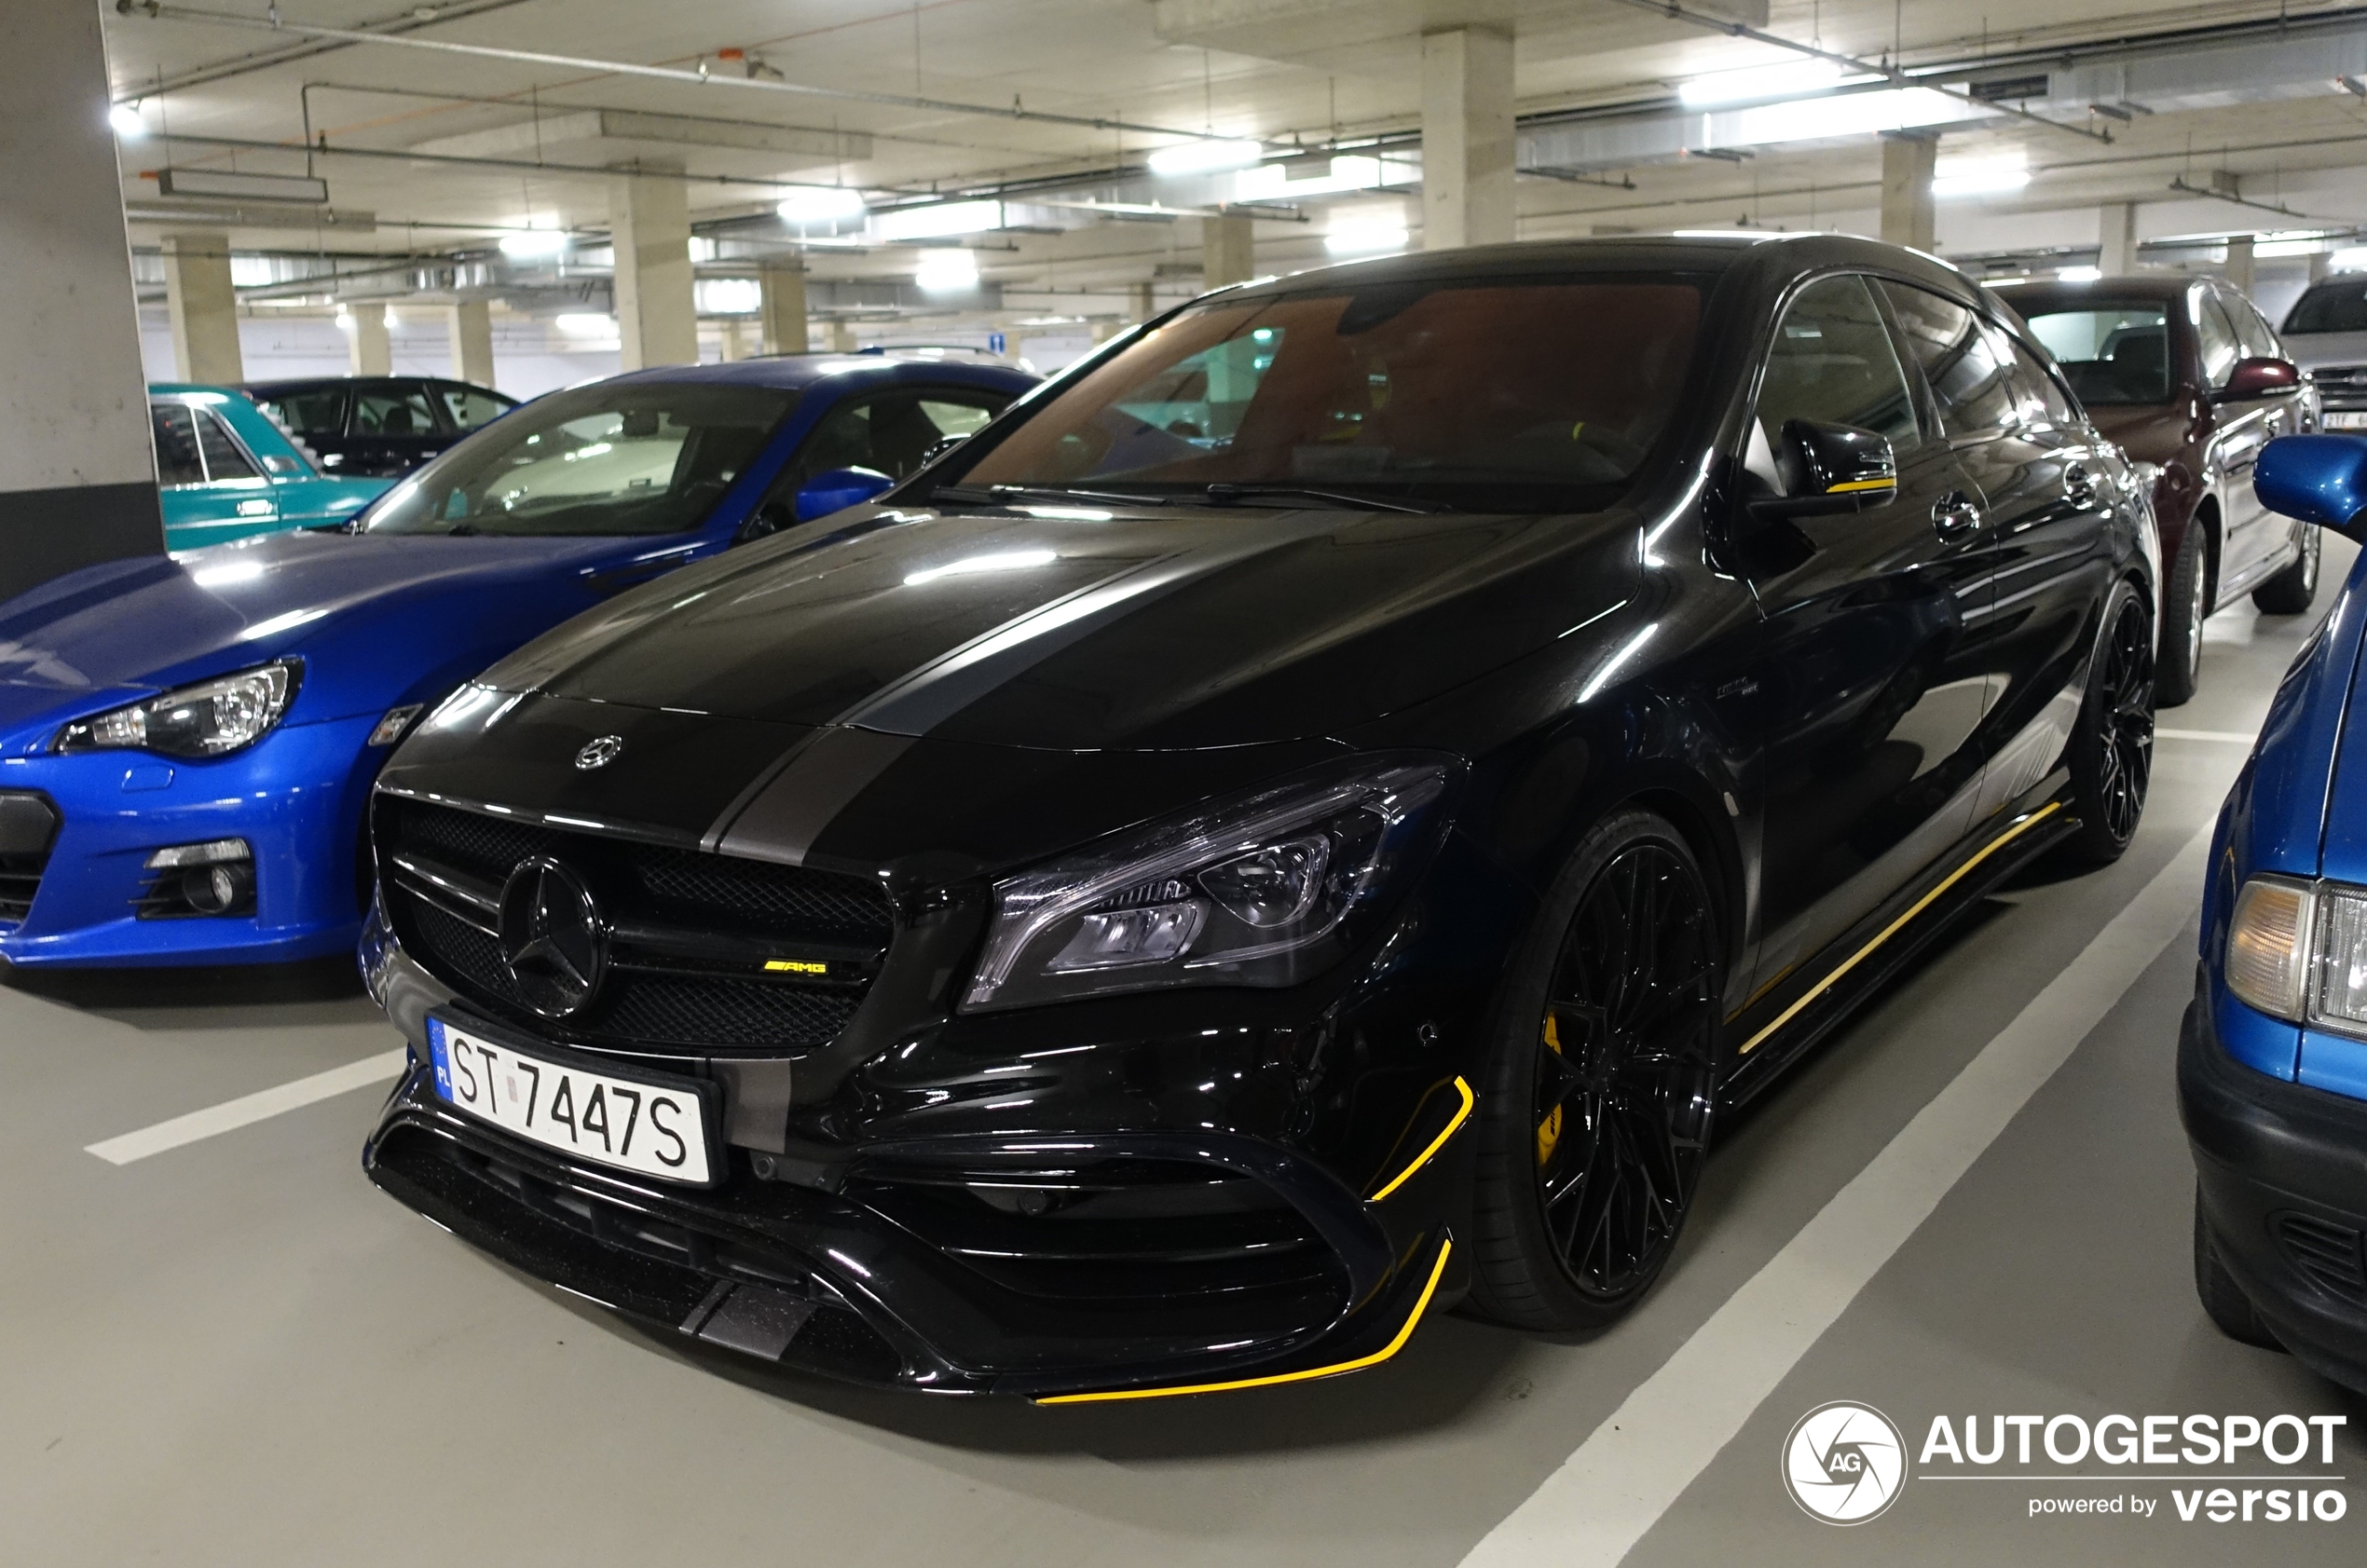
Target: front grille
{"type": "Point", "coordinates": [28, 827]}
{"type": "Point", "coordinates": [691, 933]}
{"type": "Point", "coordinates": [2327, 1254]}
{"type": "Point", "coordinates": [2342, 386]}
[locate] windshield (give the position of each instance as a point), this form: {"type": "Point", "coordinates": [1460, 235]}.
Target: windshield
{"type": "Point", "coordinates": [2332, 307]}
{"type": "Point", "coordinates": [613, 458]}
{"type": "Point", "coordinates": [2111, 351]}
{"type": "Point", "coordinates": [1521, 397]}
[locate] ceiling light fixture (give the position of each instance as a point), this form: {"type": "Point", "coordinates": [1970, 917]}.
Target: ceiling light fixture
{"type": "Point", "coordinates": [2078, 273]}
{"type": "Point", "coordinates": [822, 204]}
{"type": "Point", "coordinates": [1979, 177]}
{"type": "Point", "coordinates": [1366, 237]}
{"type": "Point", "coordinates": [1204, 158]}
{"type": "Point", "coordinates": [127, 122]}
{"type": "Point", "coordinates": [947, 272]}
{"type": "Point", "coordinates": [534, 243]}
{"type": "Point", "coordinates": [1797, 79]}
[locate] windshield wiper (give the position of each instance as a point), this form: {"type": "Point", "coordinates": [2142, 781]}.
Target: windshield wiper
{"type": "Point", "coordinates": [1236, 495]}
{"type": "Point", "coordinates": [1003, 495]}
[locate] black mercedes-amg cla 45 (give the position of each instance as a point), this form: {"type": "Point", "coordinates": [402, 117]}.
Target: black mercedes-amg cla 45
{"type": "Point", "coordinates": [1308, 819]}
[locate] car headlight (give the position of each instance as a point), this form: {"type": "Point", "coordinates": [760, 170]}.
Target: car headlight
{"type": "Point", "coordinates": [211, 718]}
{"type": "Point", "coordinates": [2298, 950]}
{"type": "Point", "coordinates": [1265, 890]}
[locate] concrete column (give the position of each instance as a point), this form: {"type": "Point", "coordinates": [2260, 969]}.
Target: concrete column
{"type": "Point", "coordinates": [1142, 301]}
{"type": "Point", "coordinates": [1909, 159]}
{"type": "Point", "coordinates": [735, 347]}
{"type": "Point", "coordinates": [470, 324]}
{"type": "Point", "coordinates": [781, 309]}
{"type": "Point", "coordinates": [649, 224]}
{"type": "Point", "coordinates": [841, 338]}
{"type": "Point", "coordinates": [77, 471]}
{"type": "Point", "coordinates": [203, 307]}
{"type": "Point", "coordinates": [2239, 261]}
{"type": "Point", "coordinates": [1467, 138]}
{"type": "Point", "coordinates": [2321, 262]}
{"type": "Point", "coordinates": [2116, 236]}
{"type": "Point", "coordinates": [1228, 250]}
{"type": "Point", "coordinates": [369, 350]}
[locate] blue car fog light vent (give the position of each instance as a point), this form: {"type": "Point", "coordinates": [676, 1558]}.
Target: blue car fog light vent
{"type": "Point", "coordinates": [197, 880]}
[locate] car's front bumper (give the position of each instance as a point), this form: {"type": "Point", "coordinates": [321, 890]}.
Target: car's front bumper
{"type": "Point", "coordinates": [869, 1261]}
{"type": "Point", "coordinates": [295, 797]}
{"type": "Point", "coordinates": [2283, 1188]}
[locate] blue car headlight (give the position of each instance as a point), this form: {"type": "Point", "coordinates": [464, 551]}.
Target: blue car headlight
{"type": "Point", "coordinates": [1263, 890]}
{"type": "Point", "coordinates": [2298, 950]}
{"type": "Point", "coordinates": [211, 718]}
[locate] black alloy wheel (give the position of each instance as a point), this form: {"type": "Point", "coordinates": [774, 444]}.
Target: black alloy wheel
{"type": "Point", "coordinates": [2111, 750]}
{"type": "Point", "coordinates": [1604, 1087]}
{"type": "Point", "coordinates": [2185, 606]}
{"type": "Point", "coordinates": [2291, 590]}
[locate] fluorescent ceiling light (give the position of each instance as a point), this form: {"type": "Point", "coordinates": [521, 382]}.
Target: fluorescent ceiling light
{"type": "Point", "coordinates": [1204, 158]}
{"type": "Point", "coordinates": [1819, 120]}
{"type": "Point", "coordinates": [1366, 237]}
{"type": "Point", "coordinates": [243, 188]}
{"type": "Point", "coordinates": [941, 221]}
{"type": "Point", "coordinates": [947, 272]}
{"type": "Point", "coordinates": [128, 124]}
{"type": "Point", "coordinates": [822, 204]}
{"type": "Point", "coordinates": [1979, 177]}
{"type": "Point", "coordinates": [1793, 78]}
{"type": "Point", "coordinates": [534, 243]}
{"type": "Point", "coordinates": [728, 297]}
{"type": "Point", "coordinates": [2079, 274]}
{"type": "Point", "coordinates": [1006, 561]}
{"type": "Point", "coordinates": [2350, 258]}
{"type": "Point", "coordinates": [345, 320]}
{"type": "Point", "coordinates": [585, 323]}
{"type": "Point", "coordinates": [2268, 248]}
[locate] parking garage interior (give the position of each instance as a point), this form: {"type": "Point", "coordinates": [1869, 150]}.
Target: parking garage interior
{"type": "Point", "coordinates": [1973, 1197]}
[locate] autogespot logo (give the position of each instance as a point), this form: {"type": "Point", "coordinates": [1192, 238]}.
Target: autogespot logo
{"type": "Point", "coordinates": [1844, 1463]}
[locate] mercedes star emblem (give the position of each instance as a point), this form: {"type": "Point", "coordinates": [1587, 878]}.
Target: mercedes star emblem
{"type": "Point", "coordinates": [599, 753]}
{"type": "Point", "coordinates": [552, 941]}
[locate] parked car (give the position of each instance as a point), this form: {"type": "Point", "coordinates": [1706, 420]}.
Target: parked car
{"type": "Point", "coordinates": [226, 471]}
{"type": "Point", "coordinates": [2272, 1059]}
{"type": "Point", "coordinates": [2188, 377]}
{"type": "Point", "coordinates": [2326, 333]}
{"type": "Point", "coordinates": [185, 745]}
{"type": "Point", "coordinates": [385, 425]}
{"type": "Point", "coordinates": [1307, 818]}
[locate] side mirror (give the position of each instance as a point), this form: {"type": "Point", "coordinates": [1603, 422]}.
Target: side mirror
{"type": "Point", "coordinates": [2259, 376]}
{"type": "Point", "coordinates": [2320, 479]}
{"type": "Point", "coordinates": [836, 489]}
{"type": "Point", "coordinates": [1829, 469]}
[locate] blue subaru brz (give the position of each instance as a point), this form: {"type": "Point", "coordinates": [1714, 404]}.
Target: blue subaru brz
{"type": "Point", "coordinates": [2272, 1061]}
{"type": "Point", "coordinates": [185, 744]}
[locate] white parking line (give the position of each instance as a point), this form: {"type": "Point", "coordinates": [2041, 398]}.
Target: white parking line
{"type": "Point", "coordinates": [1589, 1513]}
{"type": "Point", "coordinates": [230, 1115]}
{"type": "Point", "coordinates": [2225, 736]}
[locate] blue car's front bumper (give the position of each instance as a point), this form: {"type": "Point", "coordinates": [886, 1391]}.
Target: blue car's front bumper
{"type": "Point", "coordinates": [295, 797]}
{"type": "Point", "coordinates": [2282, 1171]}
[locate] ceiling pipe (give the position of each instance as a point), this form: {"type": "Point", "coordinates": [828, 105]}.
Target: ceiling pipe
{"type": "Point", "coordinates": [247, 65]}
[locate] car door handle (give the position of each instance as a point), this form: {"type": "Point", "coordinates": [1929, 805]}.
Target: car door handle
{"type": "Point", "coordinates": [2077, 484]}
{"type": "Point", "coordinates": [1954, 515]}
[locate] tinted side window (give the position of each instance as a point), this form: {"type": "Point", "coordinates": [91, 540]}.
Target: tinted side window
{"type": "Point", "coordinates": [1834, 362]}
{"type": "Point", "coordinates": [890, 432]}
{"type": "Point", "coordinates": [2330, 307]}
{"type": "Point", "coordinates": [2251, 329]}
{"type": "Point", "coordinates": [2222, 348]}
{"type": "Point", "coordinates": [470, 408]}
{"type": "Point", "coordinates": [223, 458]}
{"type": "Point", "coordinates": [2037, 399]}
{"type": "Point", "coordinates": [392, 411]}
{"type": "Point", "coordinates": [318, 412]}
{"type": "Point", "coordinates": [1960, 358]}
{"type": "Point", "coordinates": [176, 433]}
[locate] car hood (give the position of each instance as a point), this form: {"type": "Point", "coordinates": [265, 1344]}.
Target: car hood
{"type": "Point", "coordinates": [1162, 630]}
{"type": "Point", "coordinates": [368, 614]}
{"type": "Point", "coordinates": [2312, 350]}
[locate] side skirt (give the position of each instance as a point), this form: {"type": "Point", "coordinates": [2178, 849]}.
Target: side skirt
{"type": "Point", "coordinates": [1786, 1026]}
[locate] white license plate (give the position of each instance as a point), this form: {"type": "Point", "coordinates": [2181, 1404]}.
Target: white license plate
{"type": "Point", "coordinates": [652, 1127]}
{"type": "Point", "coordinates": [2347, 421]}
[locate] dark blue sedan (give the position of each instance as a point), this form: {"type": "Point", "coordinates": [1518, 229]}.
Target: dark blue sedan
{"type": "Point", "coordinates": [2272, 1064]}
{"type": "Point", "coordinates": [185, 744]}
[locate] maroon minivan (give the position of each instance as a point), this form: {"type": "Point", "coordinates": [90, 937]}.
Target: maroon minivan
{"type": "Point", "coordinates": [2188, 377]}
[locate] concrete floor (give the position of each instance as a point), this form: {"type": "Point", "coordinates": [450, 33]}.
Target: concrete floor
{"type": "Point", "coordinates": [237, 1352]}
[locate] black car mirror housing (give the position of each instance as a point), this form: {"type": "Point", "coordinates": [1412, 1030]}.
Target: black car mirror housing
{"type": "Point", "coordinates": [1830, 469]}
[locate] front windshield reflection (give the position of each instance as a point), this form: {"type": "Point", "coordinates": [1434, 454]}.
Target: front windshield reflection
{"type": "Point", "coordinates": [609, 460]}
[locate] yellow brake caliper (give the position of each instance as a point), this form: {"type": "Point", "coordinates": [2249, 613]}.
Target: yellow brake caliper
{"type": "Point", "coordinates": [1549, 1131]}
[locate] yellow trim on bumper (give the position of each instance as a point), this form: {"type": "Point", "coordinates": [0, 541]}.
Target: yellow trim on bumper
{"type": "Point", "coordinates": [1436, 1143]}
{"type": "Point", "coordinates": [1788, 1014]}
{"type": "Point", "coordinates": [1437, 1271]}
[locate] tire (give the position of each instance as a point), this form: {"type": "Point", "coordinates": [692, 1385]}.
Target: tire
{"type": "Point", "coordinates": [1600, 1084]}
{"type": "Point", "coordinates": [2223, 1301]}
{"type": "Point", "coordinates": [2112, 747]}
{"type": "Point", "coordinates": [2293, 591]}
{"type": "Point", "coordinates": [2185, 606]}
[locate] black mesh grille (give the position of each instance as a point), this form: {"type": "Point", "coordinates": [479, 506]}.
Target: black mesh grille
{"type": "Point", "coordinates": [28, 826]}
{"type": "Point", "coordinates": [2329, 1254]}
{"type": "Point", "coordinates": [678, 1006]}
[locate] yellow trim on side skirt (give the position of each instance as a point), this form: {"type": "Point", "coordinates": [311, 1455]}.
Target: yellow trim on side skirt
{"type": "Point", "coordinates": [1437, 1271]}
{"type": "Point", "coordinates": [1891, 930]}
{"type": "Point", "coordinates": [1436, 1144]}
{"type": "Point", "coordinates": [1847, 486]}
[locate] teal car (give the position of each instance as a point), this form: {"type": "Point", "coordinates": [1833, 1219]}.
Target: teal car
{"type": "Point", "coordinates": [225, 470]}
